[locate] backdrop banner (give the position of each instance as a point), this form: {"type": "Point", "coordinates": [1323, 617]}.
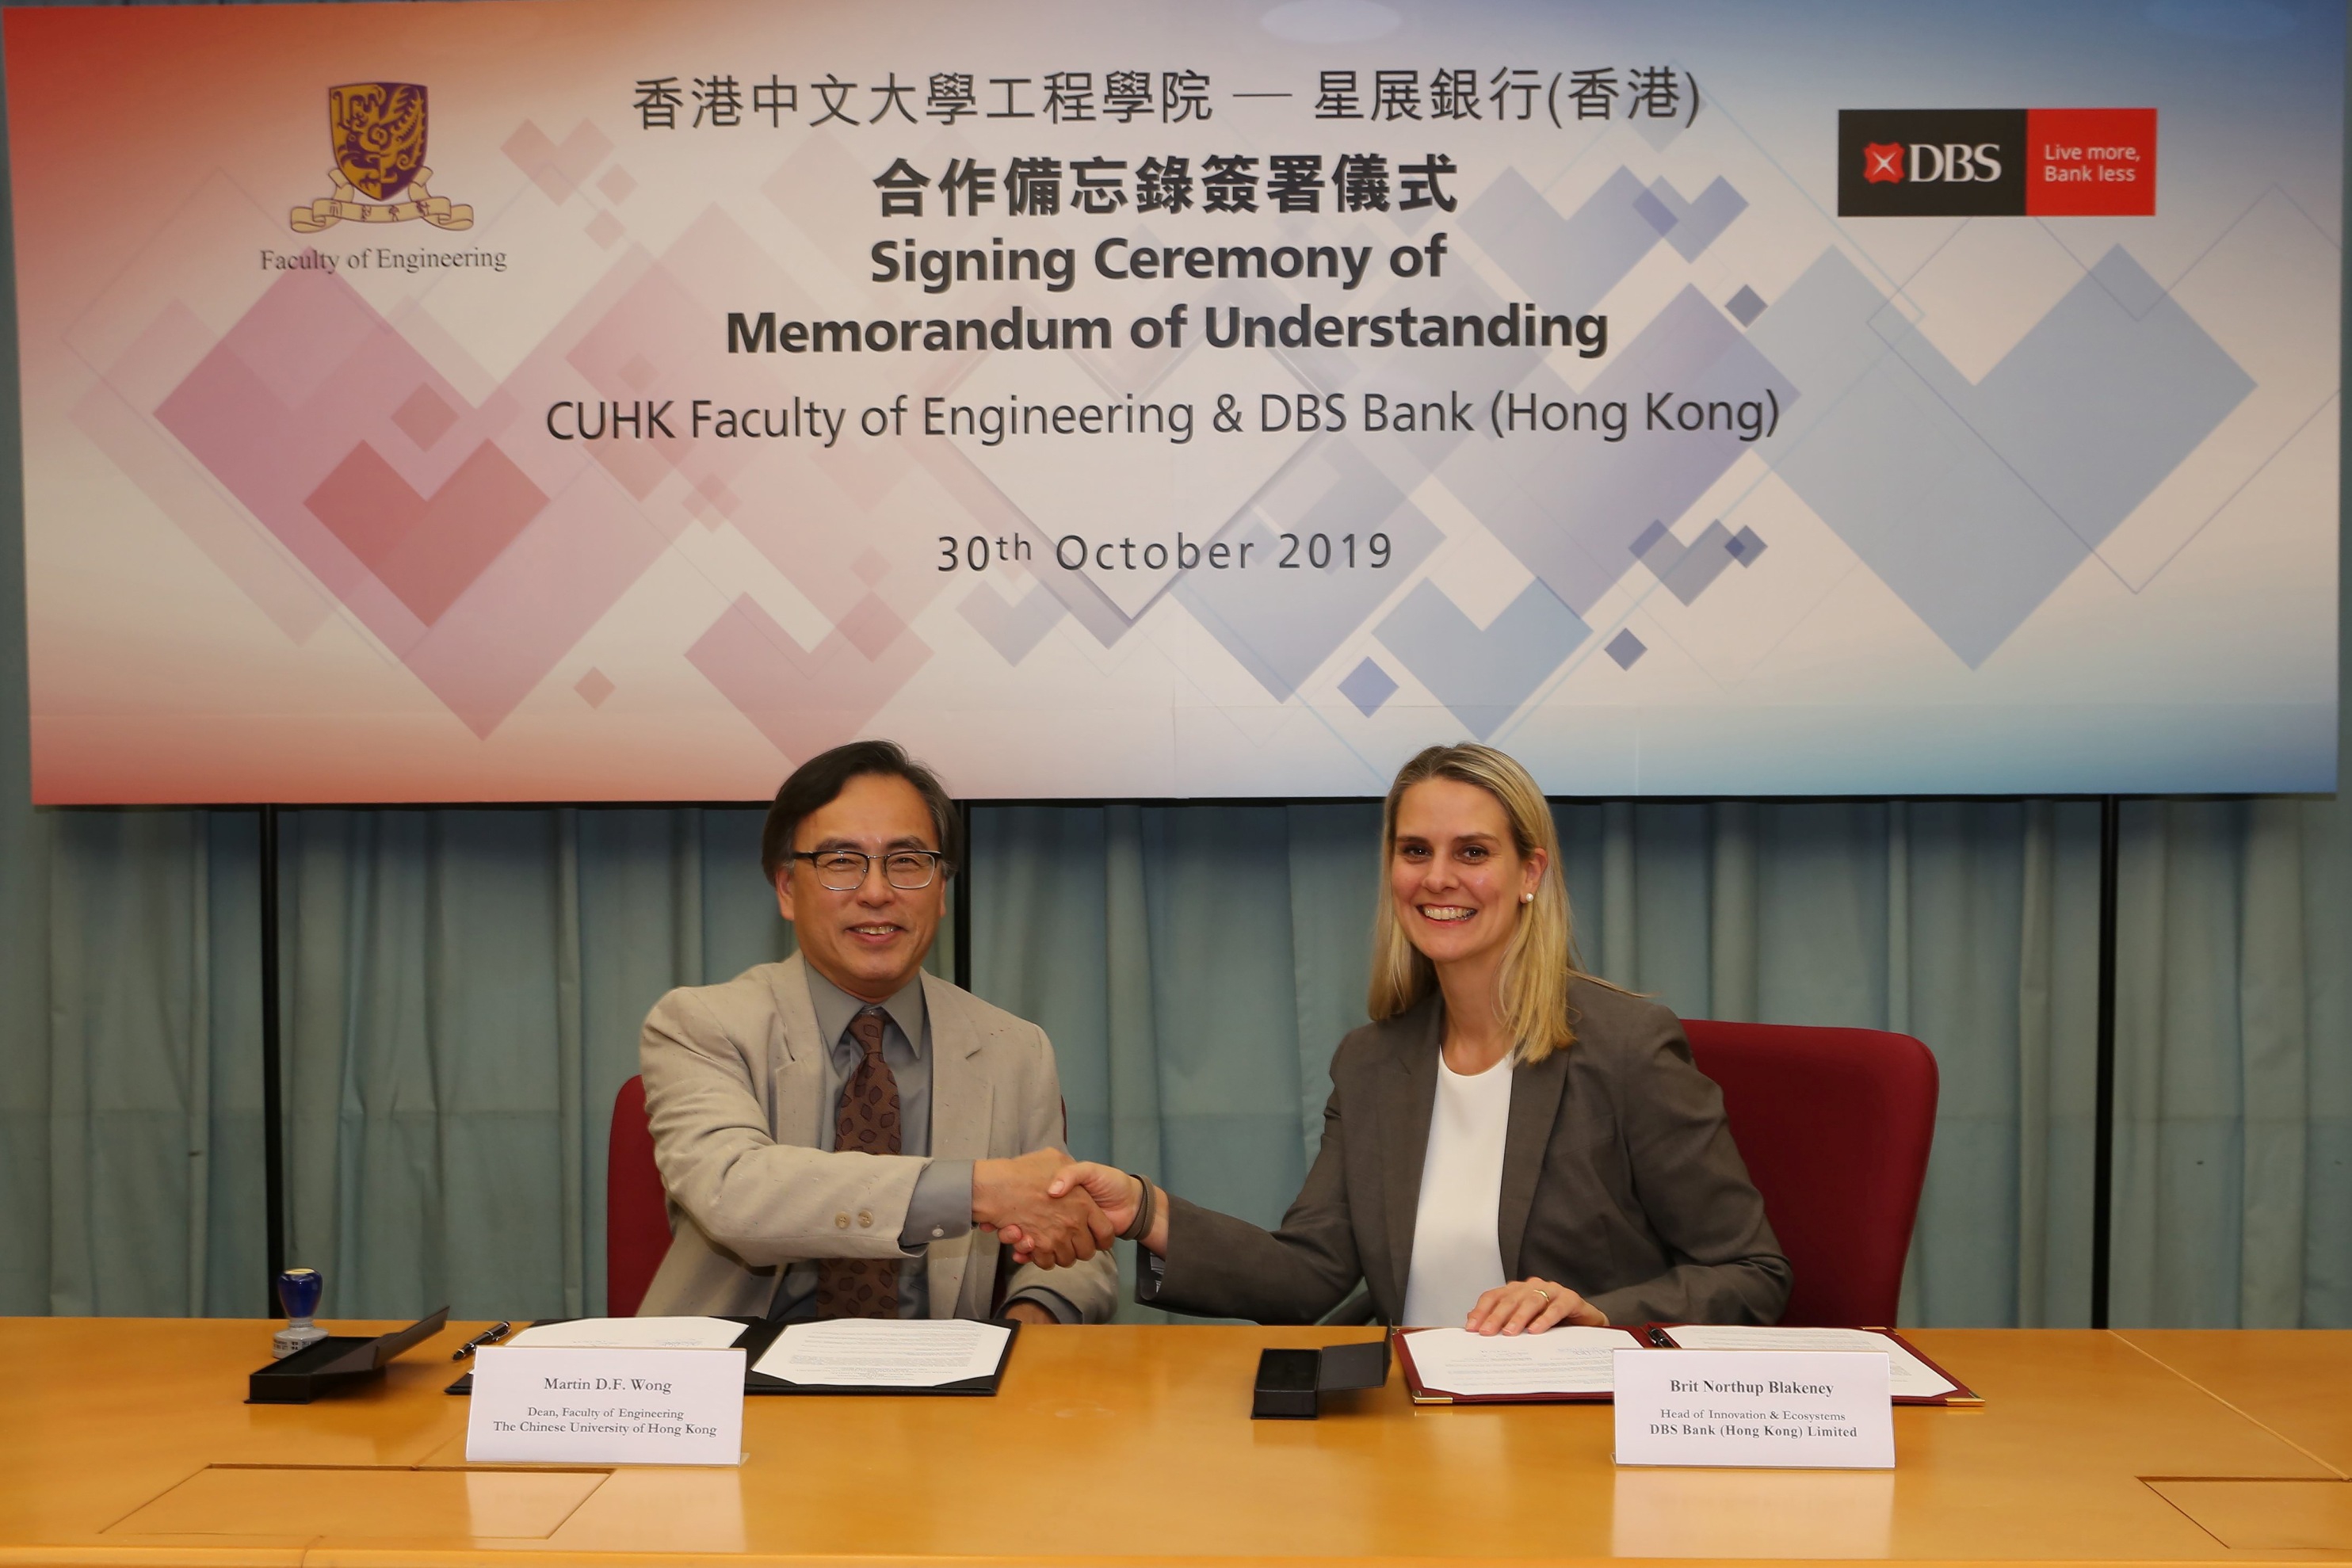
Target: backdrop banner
{"type": "Point", "coordinates": [605, 401]}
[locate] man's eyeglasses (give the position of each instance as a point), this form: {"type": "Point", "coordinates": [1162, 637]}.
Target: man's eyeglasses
{"type": "Point", "coordinates": [844, 870]}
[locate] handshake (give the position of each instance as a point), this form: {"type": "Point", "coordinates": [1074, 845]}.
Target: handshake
{"type": "Point", "coordinates": [1054, 1211]}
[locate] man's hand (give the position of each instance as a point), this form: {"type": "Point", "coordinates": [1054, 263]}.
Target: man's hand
{"type": "Point", "coordinates": [1115, 1192]}
{"type": "Point", "coordinates": [1054, 1231]}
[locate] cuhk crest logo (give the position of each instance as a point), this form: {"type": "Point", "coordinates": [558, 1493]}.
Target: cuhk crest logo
{"type": "Point", "coordinates": [377, 130]}
{"type": "Point", "coordinates": [1882, 163]}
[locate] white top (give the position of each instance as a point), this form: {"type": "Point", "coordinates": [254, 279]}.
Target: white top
{"type": "Point", "coordinates": [1457, 1252]}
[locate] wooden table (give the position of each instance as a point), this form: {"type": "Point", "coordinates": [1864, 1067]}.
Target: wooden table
{"type": "Point", "coordinates": [2296, 1383]}
{"type": "Point", "coordinates": [125, 1442]}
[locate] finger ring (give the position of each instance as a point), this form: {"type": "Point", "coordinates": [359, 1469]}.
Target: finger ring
{"type": "Point", "coordinates": [1544, 1293]}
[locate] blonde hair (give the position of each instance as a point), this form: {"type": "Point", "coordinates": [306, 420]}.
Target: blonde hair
{"type": "Point", "coordinates": [1541, 959]}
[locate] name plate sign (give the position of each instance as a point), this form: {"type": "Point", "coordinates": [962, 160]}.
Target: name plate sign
{"type": "Point", "coordinates": [1779, 1409]}
{"type": "Point", "coordinates": [607, 1407]}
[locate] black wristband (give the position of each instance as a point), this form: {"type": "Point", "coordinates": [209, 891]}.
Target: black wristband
{"type": "Point", "coordinates": [1140, 1226]}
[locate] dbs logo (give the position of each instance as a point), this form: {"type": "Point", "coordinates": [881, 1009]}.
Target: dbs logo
{"type": "Point", "coordinates": [1908, 162]}
{"type": "Point", "coordinates": [1952, 162]}
{"type": "Point", "coordinates": [1996, 163]}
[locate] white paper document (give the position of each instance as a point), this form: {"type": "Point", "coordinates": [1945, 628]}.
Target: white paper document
{"type": "Point", "coordinates": [1564, 1360]}
{"type": "Point", "coordinates": [631, 1333]}
{"type": "Point", "coordinates": [1908, 1376]}
{"type": "Point", "coordinates": [884, 1353]}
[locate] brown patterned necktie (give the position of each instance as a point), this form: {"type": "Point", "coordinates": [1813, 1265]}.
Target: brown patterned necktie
{"type": "Point", "coordinates": [868, 1122]}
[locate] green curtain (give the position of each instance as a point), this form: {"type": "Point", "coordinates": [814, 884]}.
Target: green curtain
{"type": "Point", "coordinates": [461, 1001]}
{"type": "Point", "coordinates": [463, 990]}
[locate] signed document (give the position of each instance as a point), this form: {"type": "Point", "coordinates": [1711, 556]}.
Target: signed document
{"type": "Point", "coordinates": [886, 1352]}
{"type": "Point", "coordinates": [1908, 1376]}
{"type": "Point", "coordinates": [1564, 1360]}
{"type": "Point", "coordinates": [631, 1333]}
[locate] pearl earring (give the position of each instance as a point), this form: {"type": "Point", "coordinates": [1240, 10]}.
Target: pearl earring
{"type": "Point", "coordinates": [1526, 898]}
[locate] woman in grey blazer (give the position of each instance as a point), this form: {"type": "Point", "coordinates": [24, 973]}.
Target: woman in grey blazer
{"type": "Point", "coordinates": [1511, 1143]}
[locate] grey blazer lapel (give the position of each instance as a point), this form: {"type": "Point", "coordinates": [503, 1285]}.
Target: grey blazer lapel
{"type": "Point", "coordinates": [798, 1063]}
{"type": "Point", "coordinates": [1408, 1096]}
{"type": "Point", "coordinates": [1535, 1106]}
{"type": "Point", "coordinates": [963, 1102]}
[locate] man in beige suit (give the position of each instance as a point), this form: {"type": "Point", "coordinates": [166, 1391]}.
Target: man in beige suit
{"type": "Point", "coordinates": [841, 1133]}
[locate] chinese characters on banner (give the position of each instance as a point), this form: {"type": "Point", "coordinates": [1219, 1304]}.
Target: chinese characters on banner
{"type": "Point", "coordinates": [1070, 97]}
{"type": "Point", "coordinates": [1231, 182]}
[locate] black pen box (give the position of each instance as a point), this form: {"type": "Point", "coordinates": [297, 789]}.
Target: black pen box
{"type": "Point", "coordinates": [1291, 1384]}
{"type": "Point", "coordinates": [337, 1362]}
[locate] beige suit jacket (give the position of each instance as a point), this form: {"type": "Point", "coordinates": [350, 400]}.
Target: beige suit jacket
{"type": "Point", "coordinates": [735, 1091]}
{"type": "Point", "coordinates": [1620, 1180]}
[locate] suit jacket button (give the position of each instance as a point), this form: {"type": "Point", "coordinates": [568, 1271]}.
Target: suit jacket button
{"type": "Point", "coordinates": [841, 1222]}
{"type": "Point", "coordinates": [865, 1220]}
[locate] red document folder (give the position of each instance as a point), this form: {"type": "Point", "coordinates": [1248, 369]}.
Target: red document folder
{"type": "Point", "coordinates": [1651, 1336]}
{"type": "Point", "coordinates": [1960, 1394]}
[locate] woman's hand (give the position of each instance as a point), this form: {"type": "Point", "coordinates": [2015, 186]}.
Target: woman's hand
{"type": "Point", "coordinates": [1531, 1306]}
{"type": "Point", "coordinates": [1115, 1192]}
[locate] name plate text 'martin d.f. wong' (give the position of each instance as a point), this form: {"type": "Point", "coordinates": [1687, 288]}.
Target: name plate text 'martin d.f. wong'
{"type": "Point", "coordinates": [607, 1407]}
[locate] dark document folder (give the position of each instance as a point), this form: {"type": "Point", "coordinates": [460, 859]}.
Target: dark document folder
{"type": "Point", "coordinates": [759, 1333]}
{"type": "Point", "coordinates": [765, 1333]}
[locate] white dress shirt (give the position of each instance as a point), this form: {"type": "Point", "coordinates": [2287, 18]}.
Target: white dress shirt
{"type": "Point", "coordinates": [1457, 1251]}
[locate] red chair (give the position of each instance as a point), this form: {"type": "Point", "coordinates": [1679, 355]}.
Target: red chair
{"type": "Point", "coordinates": [636, 1215]}
{"type": "Point", "coordinates": [1835, 1125]}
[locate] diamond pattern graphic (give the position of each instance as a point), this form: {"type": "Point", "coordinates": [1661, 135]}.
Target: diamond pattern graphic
{"type": "Point", "coordinates": [1690, 226]}
{"type": "Point", "coordinates": [1687, 571]}
{"type": "Point", "coordinates": [871, 626]}
{"type": "Point", "coordinates": [1483, 677]}
{"type": "Point", "coordinates": [1974, 501]}
{"type": "Point", "coordinates": [1577, 259]}
{"type": "Point", "coordinates": [425, 417]}
{"type": "Point", "coordinates": [1580, 538]}
{"type": "Point", "coordinates": [1015, 628]}
{"type": "Point", "coordinates": [1368, 686]}
{"type": "Point", "coordinates": [477, 569]}
{"type": "Point", "coordinates": [1282, 632]}
{"type": "Point", "coordinates": [2100, 400]}
{"type": "Point", "coordinates": [803, 700]}
{"type": "Point", "coordinates": [556, 168]}
{"type": "Point", "coordinates": [428, 550]}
